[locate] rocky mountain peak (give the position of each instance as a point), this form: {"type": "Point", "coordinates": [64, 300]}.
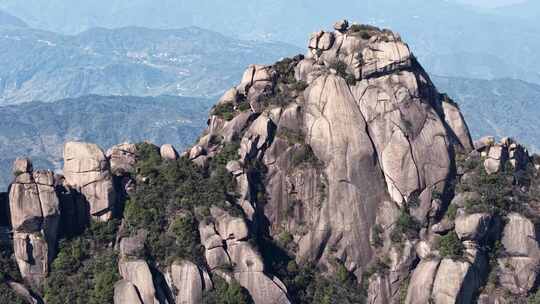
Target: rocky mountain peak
{"type": "Point", "coordinates": [341, 175]}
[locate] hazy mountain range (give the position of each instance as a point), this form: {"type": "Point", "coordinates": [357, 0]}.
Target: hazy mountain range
{"type": "Point", "coordinates": [42, 65]}
{"type": "Point", "coordinates": [482, 42]}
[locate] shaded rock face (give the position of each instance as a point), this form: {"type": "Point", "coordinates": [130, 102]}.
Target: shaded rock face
{"type": "Point", "coordinates": [4, 210]}
{"type": "Point", "coordinates": [87, 170]}
{"type": "Point", "coordinates": [35, 215]}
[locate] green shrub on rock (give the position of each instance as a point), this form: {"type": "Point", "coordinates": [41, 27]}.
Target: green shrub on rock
{"type": "Point", "coordinates": [450, 246]}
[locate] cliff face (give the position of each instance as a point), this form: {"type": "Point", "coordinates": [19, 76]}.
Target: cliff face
{"type": "Point", "coordinates": [342, 176]}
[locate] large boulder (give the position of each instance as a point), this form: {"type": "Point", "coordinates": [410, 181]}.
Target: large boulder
{"type": "Point", "coordinates": [168, 152]}
{"type": "Point", "coordinates": [472, 227]}
{"type": "Point", "coordinates": [454, 118]}
{"type": "Point", "coordinates": [86, 169]}
{"type": "Point", "coordinates": [33, 255]}
{"type": "Point", "coordinates": [23, 292]}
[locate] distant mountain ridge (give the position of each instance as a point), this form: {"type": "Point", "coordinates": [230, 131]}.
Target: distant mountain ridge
{"type": "Point", "coordinates": [41, 65]}
{"type": "Point", "coordinates": [444, 34]}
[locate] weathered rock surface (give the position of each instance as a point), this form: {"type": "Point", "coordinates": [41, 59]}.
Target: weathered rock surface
{"type": "Point", "coordinates": [168, 152]}
{"type": "Point", "coordinates": [498, 155]}
{"type": "Point", "coordinates": [187, 280]}
{"type": "Point", "coordinates": [125, 292]}
{"type": "Point", "coordinates": [247, 264]}
{"type": "Point", "coordinates": [454, 118]}
{"type": "Point", "coordinates": [455, 282]}
{"type": "Point", "coordinates": [86, 169]}
{"type": "Point", "coordinates": [518, 269]}
{"type": "Point", "coordinates": [398, 152]}
{"type": "Point", "coordinates": [138, 273]}
{"type": "Point", "coordinates": [421, 283]}
{"type": "Point", "coordinates": [35, 215]}
{"type": "Point", "coordinates": [23, 292]}
{"type": "Point", "coordinates": [122, 158]}
{"type": "Point", "coordinates": [473, 226]}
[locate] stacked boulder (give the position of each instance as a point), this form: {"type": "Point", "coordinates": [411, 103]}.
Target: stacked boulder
{"type": "Point", "coordinates": [230, 256]}
{"type": "Point", "coordinates": [450, 279]}
{"type": "Point", "coordinates": [35, 215]}
{"type": "Point", "coordinates": [137, 284]}
{"type": "Point", "coordinates": [498, 155]}
{"type": "Point", "coordinates": [122, 158]}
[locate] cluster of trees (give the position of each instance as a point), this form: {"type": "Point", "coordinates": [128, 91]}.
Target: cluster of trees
{"type": "Point", "coordinates": [85, 268]}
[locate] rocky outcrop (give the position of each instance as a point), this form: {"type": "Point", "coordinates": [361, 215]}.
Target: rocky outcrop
{"type": "Point", "coordinates": [456, 122]}
{"type": "Point", "coordinates": [456, 282]}
{"type": "Point", "coordinates": [24, 292]}
{"type": "Point", "coordinates": [498, 155]}
{"type": "Point", "coordinates": [188, 282]}
{"type": "Point", "coordinates": [122, 158]}
{"type": "Point", "coordinates": [139, 275]}
{"type": "Point", "coordinates": [472, 227]}
{"type": "Point", "coordinates": [35, 215]}
{"type": "Point", "coordinates": [87, 170]}
{"type": "Point", "coordinates": [126, 292]}
{"type": "Point", "coordinates": [421, 282]}
{"type": "Point", "coordinates": [369, 132]}
{"type": "Point", "coordinates": [168, 152]}
{"type": "Point", "coordinates": [230, 255]}
{"type": "Point", "coordinates": [135, 271]}
{"type": "Point", "coordinates": [518, 268]}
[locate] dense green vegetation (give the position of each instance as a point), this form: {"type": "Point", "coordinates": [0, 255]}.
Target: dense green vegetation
{"type": "Point", "coordinates": [509, 190]}
{"type": "Point", "coordinates": [406, 227]}
{"type": "Point", "coordinates": [85, 268]}
{"type": "Point", "coordinates": [224, 293]}
{"type": "Point", "coordinates": [177, 195]}
{"type": "Point", "coordinates": [8, 271]}
{"type": "Point", "coordinates": [364, 30]}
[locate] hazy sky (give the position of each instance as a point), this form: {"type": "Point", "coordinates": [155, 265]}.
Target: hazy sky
{"type": "Point", "coordinates": [491, 3]}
